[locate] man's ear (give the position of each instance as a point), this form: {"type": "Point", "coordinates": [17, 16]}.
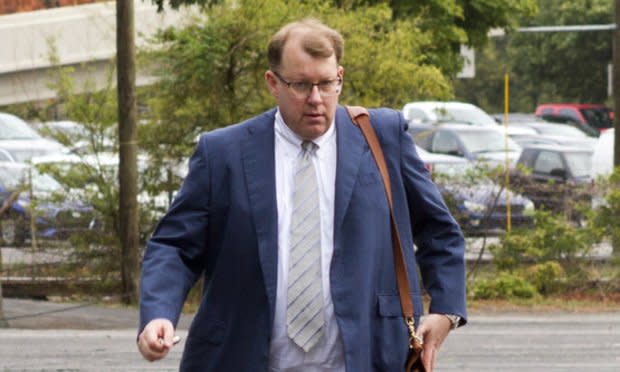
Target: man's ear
{"type": "Point", "coordinates": [270, 80]}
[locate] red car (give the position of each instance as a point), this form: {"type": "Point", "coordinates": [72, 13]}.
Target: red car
{"type": "Point", "coordinates": [589, 117]}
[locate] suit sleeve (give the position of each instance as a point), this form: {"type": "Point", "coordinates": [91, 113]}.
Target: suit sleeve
{"type": "Point", "coordinates": [174, 255]}
{"type": "Point", "coordinates": [437, 236]}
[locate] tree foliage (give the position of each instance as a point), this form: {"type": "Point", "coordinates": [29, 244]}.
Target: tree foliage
{"type": "Point", "coordinates": [448, 23]}
{"type": "Point", "coordinates": [451, 23]}
{"type": "Point", "coordinates": [546, 67]}
{"type": "Point", "coordinates": [212, 71]}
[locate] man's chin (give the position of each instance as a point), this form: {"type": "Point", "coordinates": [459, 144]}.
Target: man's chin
{"type": "Point", "coordinates": [314, 129]}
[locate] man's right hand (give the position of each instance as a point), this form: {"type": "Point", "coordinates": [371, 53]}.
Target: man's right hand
{"type": "Point", "coordinates": [156, 339]}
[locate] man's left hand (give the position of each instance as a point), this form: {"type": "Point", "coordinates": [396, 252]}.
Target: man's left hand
{"type": "Point", "coordinates": [433, 331]}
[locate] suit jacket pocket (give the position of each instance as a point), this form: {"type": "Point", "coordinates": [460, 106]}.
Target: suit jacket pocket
{"type": "Point", "coordinates": [390, 335]}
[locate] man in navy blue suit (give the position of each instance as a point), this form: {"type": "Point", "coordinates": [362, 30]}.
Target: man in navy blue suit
{"type": "Point", "coordinates": [333, 304]}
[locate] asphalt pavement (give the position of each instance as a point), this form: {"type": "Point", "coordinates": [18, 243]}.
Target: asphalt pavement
{"type": "Point", "coordinates": [46, 336]}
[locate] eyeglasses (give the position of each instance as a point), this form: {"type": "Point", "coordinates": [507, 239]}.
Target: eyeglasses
{"type": "Point", "coordinates": [302, 89]}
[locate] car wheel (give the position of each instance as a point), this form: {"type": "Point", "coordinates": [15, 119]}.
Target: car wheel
{"type": "Point", "coordinates": [12, 231]}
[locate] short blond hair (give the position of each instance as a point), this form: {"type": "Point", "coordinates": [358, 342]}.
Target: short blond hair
{"type": "Point", "coordinates": [320, 41]}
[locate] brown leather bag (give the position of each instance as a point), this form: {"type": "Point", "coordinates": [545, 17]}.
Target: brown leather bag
{"type": "Point", "coordinates": [360, 117]}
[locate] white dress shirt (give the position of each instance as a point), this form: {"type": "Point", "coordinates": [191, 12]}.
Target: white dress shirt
{"type": "Point", "coordinates": [327, 355]}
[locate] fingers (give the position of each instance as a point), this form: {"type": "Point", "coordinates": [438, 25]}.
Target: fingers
{"type": "Point", "coordinates": [156, 339]}
{"type": "Point", "coordinates": [433, 330]}
{"type": "Point", "coordinates": [428, 358]}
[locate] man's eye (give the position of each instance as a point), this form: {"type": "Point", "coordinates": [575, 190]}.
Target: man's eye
{"type": "Point", "coordinates": [301, 86]}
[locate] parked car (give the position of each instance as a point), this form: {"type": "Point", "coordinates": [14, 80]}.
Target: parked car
{"type": "Point", "coordinates": [23, 142]}
{"type": "Point", "coordinates": [592, 118]}
{"type": "Point", "coordinates": [5, 156]}
{"type": "Point", "coordinates": [79, 138]}
{"type": "Point", "coordinates": [549, 133]}
{"type": "Point", "coordinates": [55, 218]}
{"type": "Point", "coordinates": [481, 206]}
{"type": "Point", "coordinates": [99, 171]}
{"type": "Point", "coordinates": [435, 112]}
{"type": "Point", "coordinates": [516, 117]}
{"type": "Point", "coordinates": [557, 129]}
{"type": "Point", "coordinates": [488, 145]}
{"type": "Point", "coordinates": [443, 164]}
{"type": "Point", "coordinates": [554, 176]}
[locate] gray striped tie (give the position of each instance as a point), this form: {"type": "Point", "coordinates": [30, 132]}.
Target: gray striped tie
{"type": "Point", "coordinates": [304, 313]}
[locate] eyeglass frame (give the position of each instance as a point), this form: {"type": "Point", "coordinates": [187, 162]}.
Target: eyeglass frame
{"type": "Point", "coordinates": [312, 85]}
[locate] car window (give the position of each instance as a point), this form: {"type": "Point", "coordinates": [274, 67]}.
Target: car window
{"type": "Point", "coordinates": [468, 115]}
{"type": "Point", "coordinates": [445, 143]}
{"type": "Point", "coordinates": [5, 156]}
{"type": "Point", "coordinates": [598, 118]}
{"type": "Point", "coordinates": [546, 111]}
{"type": "Point", "coordinates": [13, 178]}
{"type": "Point", "coordinates": [487, 141]}
{"type": "Point", "coordinates": [13, 128]}
{"type": "Point", "coordinates": [547, 161]}
{"type": "Point", "coordinates": [579, 163]}
{"type": "Point", "coordinates": [423, 138]}
{"type": "Point", "coordinates": [416, 115]}
{"type": "Point", "coordinates": [569, 113]}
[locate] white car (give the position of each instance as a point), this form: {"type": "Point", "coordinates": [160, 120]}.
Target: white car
{"type": "Point", "coordinates": [22, 142]}
{"type": "Point", "coordinates": [434, 112]}
{"type": "Point", "coordinates": [438, 112]}
{"type": "Point", "coordinates": [488, 146]}
{"type": "Point", "coordinates": [603, 156]}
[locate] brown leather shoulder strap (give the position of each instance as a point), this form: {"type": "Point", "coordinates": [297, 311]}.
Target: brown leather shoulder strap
{"type": "Point", "coordinates": [361, 118]}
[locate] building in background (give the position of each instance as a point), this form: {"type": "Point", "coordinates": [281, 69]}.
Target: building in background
{"type": "Point", "coordinates": [17, 6]}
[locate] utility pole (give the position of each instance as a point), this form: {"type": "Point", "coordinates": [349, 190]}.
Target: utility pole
{"type": "Point", "coordinates": [3, 322]}
{"type": "Point", "coordinates": [616, 82]}
{"type": "Point", "coordinates": [127, 134]}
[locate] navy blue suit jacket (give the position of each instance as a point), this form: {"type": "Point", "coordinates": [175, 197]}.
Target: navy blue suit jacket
{"type": "Point", "coordinates": [223, 225]}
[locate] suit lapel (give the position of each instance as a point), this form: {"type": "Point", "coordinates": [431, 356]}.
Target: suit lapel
{"type": "Point", "coordinates": [351, 146]}
{"type": "Point", "coordinates": [259, 169]}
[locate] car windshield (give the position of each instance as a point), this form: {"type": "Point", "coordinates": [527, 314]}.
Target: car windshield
{"type": "Point", "coordinates": [598, 117]}
{"type": "Point", "coordinates": [13, 128]}
{"type": "Point", "coordinates": [471, 115]}
{"type": "Point", "coordinates": [487, 141]}
{"type": "Point", "coordinates": [561, 130]}
{"type": "Point", "coordinates": [11, 178]}
{"type": "Point", "coordinates": [580, 163]}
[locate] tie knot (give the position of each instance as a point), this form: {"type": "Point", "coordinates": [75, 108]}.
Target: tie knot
{"type": "Point", "coordinates": [308, 147]}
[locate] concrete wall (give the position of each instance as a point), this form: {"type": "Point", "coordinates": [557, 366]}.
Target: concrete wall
{"type": "Point", "coordinates": [15, 6]}
{"type": "Point", "coordinates": [82, 35]}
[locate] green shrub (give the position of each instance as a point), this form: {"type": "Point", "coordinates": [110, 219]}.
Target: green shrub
{"type": "Point", "coordinates": [505, 286]}
{"type": "Point", "coordinates": [546, 277]}
{"type": "Point", "coordinates": [553, 238]}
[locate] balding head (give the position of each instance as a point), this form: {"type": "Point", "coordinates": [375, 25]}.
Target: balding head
{"type": "Point", "coordinates": [316, 39]}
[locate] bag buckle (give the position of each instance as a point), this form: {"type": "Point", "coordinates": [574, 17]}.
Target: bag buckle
{"type": "Point", "coordinates": [414, 339]}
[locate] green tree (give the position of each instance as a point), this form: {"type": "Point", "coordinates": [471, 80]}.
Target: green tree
{"type": "Point", "coordinates": [212, 71]}
{"type": "Point", "coordinates": [454, 22]}
{"type": "Point", "coordinates": [550, 66]}
{"type": "Point", "coordinates": [449, 23]}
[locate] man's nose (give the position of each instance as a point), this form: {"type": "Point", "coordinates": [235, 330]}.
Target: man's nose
{"type": "Point", "coordinates": [315, 95]}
